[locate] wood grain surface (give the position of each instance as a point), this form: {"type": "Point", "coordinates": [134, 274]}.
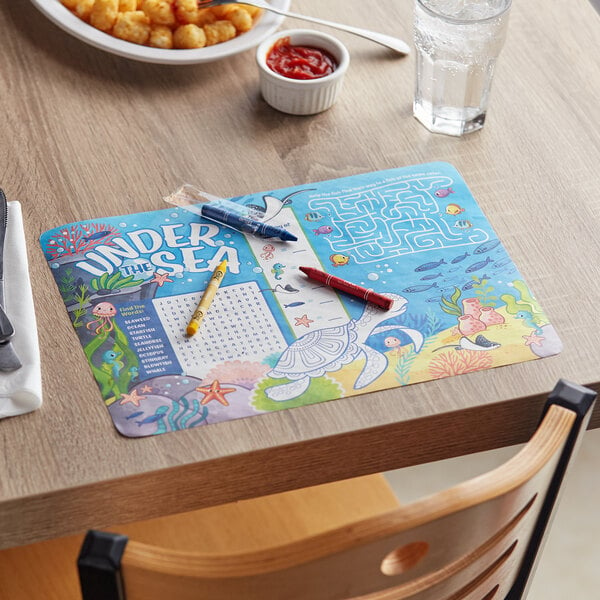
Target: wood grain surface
{"type": "Point", "coordinates": [86, 134]}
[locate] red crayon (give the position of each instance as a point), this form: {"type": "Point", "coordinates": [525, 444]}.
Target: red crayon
{"type": "Point", "coordinates": [349, 288]}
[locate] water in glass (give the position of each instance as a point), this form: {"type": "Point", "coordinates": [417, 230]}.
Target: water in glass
{"type": "Point", "coordinates": [457, 42]}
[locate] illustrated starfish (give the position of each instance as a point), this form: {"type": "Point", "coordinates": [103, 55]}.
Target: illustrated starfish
{"type": "Point", "coordinates": [146, 389]}
{"type": "Point", "coordinates": [303, 320]}
{"type": "Point", "coordinates": [133, 397]}
{"type": "Point", "coordinates": [533, 339]}
{"type": "Point", "coordinates": [215, 392]}
{"type": "Point", "coordinates": [161, 278]}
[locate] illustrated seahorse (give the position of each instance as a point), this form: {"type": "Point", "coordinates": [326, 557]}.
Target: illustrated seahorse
{"type": "Point", "coordinates": [525, 308]}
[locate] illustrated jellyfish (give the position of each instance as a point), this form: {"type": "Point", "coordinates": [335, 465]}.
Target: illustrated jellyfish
{"type": "Point", "coordinates": [104, 313]}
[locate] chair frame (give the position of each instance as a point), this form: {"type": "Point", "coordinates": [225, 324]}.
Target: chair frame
{"type": "Point", "coordinates": [99, 562]}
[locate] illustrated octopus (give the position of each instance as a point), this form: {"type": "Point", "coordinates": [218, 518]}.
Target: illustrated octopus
{"type": "Point", "coordinates": [103, 313]}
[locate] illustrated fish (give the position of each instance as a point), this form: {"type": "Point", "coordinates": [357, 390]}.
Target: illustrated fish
{"type": "Point", "coordinates": [293, 304]}
{"type": "Point", "coordinates": [470, 284]}
{"type": "Point", "coordinates": [478, 265]}
{"type": "Point", "coordinates": [428, 277]}
{"type": "Point", "coordinates": [135, 414]}
{"type": "Point", "coordinates": [157, 416]}
{"type": "Point", "coordinates": [463, 224]}
{"type": "Point", "coordinates": [323, 230]}
{"type": "Point", "coordinates": [339, 260]}
{"type": "Point", "coordinates": [443, 192]}
{"type": "Point", "coordinates": [433, 299]}
{"type": "Point", "coordinates": [459, 258]}
{"type": "Point", "coordinates": [313, 216]}
{"type": "Point", "coordinates": [430, 265]}
{"type": "Point", "coordinates": [415, 289]}
{"type": "Point", "coordinates": [486, 247]}
{"type": "Point", "coordinates": [96, 236]}
{"type": "Point", "coordinates": [454, 209]}
{"type": "Point", "coordinates": [502, 262]}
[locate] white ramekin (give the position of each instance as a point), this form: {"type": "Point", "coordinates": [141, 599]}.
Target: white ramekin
{"type": "Point", "coordinates": [302, 96]}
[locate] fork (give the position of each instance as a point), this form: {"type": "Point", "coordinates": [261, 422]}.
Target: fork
{"type": "Point", "coordinates": [385, 40]}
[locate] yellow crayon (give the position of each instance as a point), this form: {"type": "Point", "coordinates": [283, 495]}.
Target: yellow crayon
{"type": "Point", "coordinates": [207, 298]}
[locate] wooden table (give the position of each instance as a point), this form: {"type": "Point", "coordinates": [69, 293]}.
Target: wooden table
{"type": "Point", "coordinates": [86, 134]}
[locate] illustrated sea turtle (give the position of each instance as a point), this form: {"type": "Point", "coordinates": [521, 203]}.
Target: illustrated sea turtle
{"type": "Point", "coordinates": [329, 349]}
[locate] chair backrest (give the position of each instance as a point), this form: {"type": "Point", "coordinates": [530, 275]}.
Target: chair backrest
{"type": "Point", "coordinates": [478, 540]}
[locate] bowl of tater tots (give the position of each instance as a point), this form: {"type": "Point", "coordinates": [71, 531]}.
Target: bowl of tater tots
{"type": "Point", "coordinates": [164, 31]}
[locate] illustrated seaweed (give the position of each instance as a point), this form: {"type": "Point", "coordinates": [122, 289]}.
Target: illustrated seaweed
{"type": "Point", "coordinates": [451, 306]}
{"type": "Point", "coordinates": [66, 285]}
{"type": "Point", "coordinates": [116, 281]}
{"type": "Point", "coordinates": [483, 290]}
{"type": "Point", "coordinates": [403, 367]}
{"type": "Point", "coordinates": [433, 324]}
{"type": "Point", "coordinates": [82, 298]}
{"type": "Point", "coordinates": [182, 416]}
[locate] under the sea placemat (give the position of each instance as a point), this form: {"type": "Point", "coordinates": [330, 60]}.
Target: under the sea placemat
{"type": "Point", "coordinates": [274, 339]}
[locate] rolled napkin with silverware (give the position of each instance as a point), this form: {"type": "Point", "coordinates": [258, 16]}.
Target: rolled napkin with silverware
{"type": "Point", "coordinates": [20, 386]}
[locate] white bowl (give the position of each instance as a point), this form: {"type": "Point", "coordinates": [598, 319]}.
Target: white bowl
{"type": "Point", "coordinates": [65, 19]}
{"type": "Point", "coordinates": [302, 96]}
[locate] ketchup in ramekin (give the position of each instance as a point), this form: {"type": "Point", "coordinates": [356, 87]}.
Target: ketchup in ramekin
{"type": "Point", "coordinates": [299, 62]}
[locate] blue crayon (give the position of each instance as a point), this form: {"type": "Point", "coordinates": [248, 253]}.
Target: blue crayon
{"type": "Point", "coordinates": [245, 224]}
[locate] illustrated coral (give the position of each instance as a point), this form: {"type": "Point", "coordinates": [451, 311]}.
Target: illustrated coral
{"type": "Point", "coordinates": [475, 314]}
{"type": "Point", "coordinates": [457, 363]}
{"type": "Point", "coordinates": [238, 372]}
{"type": "Point", "coordinates": [79, 238]}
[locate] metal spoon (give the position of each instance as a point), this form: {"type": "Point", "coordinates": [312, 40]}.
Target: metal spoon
{"type": "Point", "coordinates": [385, 40]}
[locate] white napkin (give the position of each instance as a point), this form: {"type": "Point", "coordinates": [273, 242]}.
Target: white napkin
{"type": "Point", "coordinates": [20, 390]}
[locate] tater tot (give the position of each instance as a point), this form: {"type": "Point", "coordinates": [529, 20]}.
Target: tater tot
{"type": "Point", "coordinates": [253, 11]}
{"type": "Point", "coordinates": [222, 12]}
{"type": "Point", "coordinates": [160, 12]}
{"type": "Point", "coordinates": [84, 9]}
{"type": "Point", "coordinates": [127, 5]}
{"type": "Point", "coordinates": [70, 4]}
{"type": "Point", "coordinates": [241, 19]}
{"type": "Point", "coordinates": [218, 32]}
{"type": "Point", "coordinates": [186, 11]}
{"type": "Point", "coordinates": [189, 36]}
{"type": "Point", "coordinates": [161, 36]}
{"type": "Point", "coordinates": [132, 26]}
{"type": "Point", "coordinates": [205, 16]}
{"type": "Point", "coordinates": [104, 14]}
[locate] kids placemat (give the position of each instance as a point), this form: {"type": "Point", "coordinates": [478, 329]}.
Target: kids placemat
{"type": "Point", "coordinates": [274, 339]}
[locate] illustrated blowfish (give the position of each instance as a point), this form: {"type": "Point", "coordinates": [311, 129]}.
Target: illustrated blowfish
{"type": "Point", "coordinates": [454, 209]}
{"type": "Point", "coordinates": [339, 260]}
{"type": "Point", "coordinates": [323, 230]}
{"type": "Point", "coordinates": [443, 192]}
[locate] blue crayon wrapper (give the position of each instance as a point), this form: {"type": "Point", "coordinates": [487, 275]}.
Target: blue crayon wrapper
{"type": "Point", "coordinates": [193, 199]}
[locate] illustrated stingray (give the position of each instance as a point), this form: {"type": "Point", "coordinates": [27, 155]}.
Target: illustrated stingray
{"type": "Point", "coordinates": [481, 343]}
{"type": "Point", "coordinates": [272, 206]}
{"type": "Point", "coordinates": [330, 348]}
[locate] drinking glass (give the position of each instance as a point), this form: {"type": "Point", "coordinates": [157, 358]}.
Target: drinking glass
{"type": "Point", "coordinates": [457, 43]}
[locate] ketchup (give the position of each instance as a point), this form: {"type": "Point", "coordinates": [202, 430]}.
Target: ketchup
{"type": "Point", "coordinates": [299, 62]}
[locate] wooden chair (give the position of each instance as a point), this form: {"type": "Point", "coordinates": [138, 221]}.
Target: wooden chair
{"type": "Point", "coordinates": [478, 540]}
